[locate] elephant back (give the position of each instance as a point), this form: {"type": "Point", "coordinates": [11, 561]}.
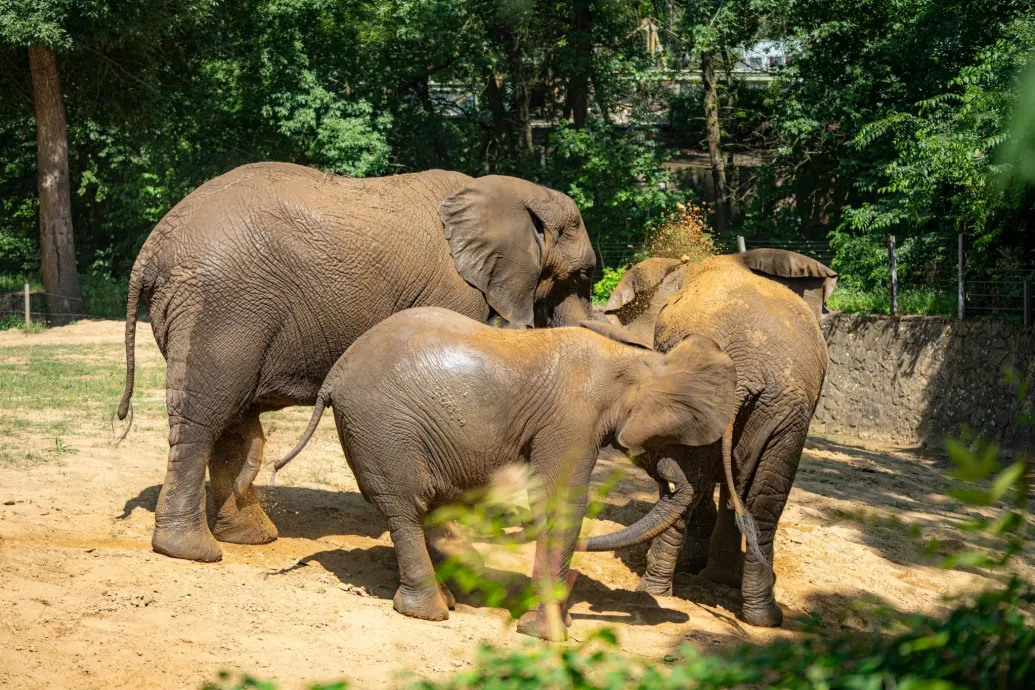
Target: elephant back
{"type": "Point", "coordinates": [770, 333]}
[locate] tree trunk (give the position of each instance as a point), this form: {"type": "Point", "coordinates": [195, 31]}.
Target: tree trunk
{"type": "Point", "coordinates": [578, 84]}
{"type": "Point", "coordinates": [729, 61]}
{"type": "Point", "coordinates": [494, 98]}
{"type": "Point", "coordinates": [711, 121]}
{"type": "Point", "coordinates": [57, 245]}
{"type": "Point", "coordinates": [521, 95]}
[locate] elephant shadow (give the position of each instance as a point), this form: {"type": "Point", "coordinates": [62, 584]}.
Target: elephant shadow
{"type": "Point", "coordinates": [372, 570]}
{"type": "Point", "coordinates": [296, 511]}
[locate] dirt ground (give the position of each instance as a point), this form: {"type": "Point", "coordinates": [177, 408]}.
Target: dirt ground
{"type": "Point", "coordinates": [86, 603]}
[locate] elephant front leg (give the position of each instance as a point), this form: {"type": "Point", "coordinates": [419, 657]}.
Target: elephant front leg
{"type": "Point", "coordinates": [725, 556]}
{"type": "Point", "coordinates": [240, 518]}
{"type": "Point", "coordinates": [661, 560]}
{"type": "Point", "coordinates": [181, 529]}
{"type": "Point", "coordinates": [554, 550]}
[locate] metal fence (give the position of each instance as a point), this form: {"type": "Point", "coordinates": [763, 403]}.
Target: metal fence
{"type": "Point", "coordinates": [28, 306]}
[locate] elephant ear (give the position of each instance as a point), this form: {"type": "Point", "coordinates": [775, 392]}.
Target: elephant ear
{"type": "Point", "coordinates": [687, 398]}
{"type": "Point", "coordinates": [809, 279]}
{"type": "Point", "coordinates": [621, 334]}
{"type": "Point", "coordinates": [499, 229]}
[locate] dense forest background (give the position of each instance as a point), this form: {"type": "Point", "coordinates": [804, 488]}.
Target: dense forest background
{"type": "Point", "coordinates": [885, 116]}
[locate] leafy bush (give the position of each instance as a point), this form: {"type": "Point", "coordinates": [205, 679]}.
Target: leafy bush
{"type": "Point", "coordinates": [603, 288]}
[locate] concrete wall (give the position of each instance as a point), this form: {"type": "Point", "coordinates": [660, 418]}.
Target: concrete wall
{"type": "Point", "coordinates": [915, 379]}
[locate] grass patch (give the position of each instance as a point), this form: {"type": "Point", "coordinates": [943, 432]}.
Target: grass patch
{"type": "Point", "coordinates": [71, 385]}
{"type": "Point", "coordinates": [928, 301]}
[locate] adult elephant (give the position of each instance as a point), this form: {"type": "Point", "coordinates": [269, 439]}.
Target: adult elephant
{"type": "Point", "coordinates": [261, 278]}
{"type": "Point", "coordinates": [773, 337]}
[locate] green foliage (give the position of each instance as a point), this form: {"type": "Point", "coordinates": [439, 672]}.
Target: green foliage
{"type": "Point", "coordinates": [603, 288]}
{"type": "Point", "coordinates": [928, 301]}
{"type": "Point", "coordinates": [944, 176]}
{"type": "Point", "coordinates": [615, 176]}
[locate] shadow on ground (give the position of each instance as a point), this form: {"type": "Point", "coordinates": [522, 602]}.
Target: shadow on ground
{"type": "Point", "coordinates": [297, 512]}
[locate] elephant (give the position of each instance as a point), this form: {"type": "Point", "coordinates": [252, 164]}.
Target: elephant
{"type": "Point", "coordinates": [772, 334]}
{"type": "Point", "coordinates": [261, 278]}
{"type": "Point", "coordinates": [429, 404]}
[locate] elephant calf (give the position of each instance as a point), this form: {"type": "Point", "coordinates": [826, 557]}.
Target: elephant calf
{"type": "Point", "coordinates": [430, 403]}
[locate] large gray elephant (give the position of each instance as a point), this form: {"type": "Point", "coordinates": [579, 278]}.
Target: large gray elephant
{"type": "Point", "coordinates": [430, 404]}
{"type": "Point", "coordinates": [261, 278]}
{"type": "Point", "coordinates": [773, 338]}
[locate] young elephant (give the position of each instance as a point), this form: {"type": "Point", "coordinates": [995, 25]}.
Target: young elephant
{"type": "Point", "coordinates": [429, 404]}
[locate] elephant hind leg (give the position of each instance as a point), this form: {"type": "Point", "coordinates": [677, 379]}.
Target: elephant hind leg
{"type": "Point", "coordinates": [766, 500]}
{"type": "Point", "coordinates": [725, 555]}
{"type": "Point", "coordinates": [181, 529]}
{"type": "Point", "coordinates": [419, 595]}
{"type": "Point", "coordinates": [240, 518]}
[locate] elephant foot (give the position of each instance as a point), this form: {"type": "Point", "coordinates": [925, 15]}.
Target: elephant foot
{"type": "Point", "coordinates": [447, 595]}
{"type": "Point", "coordinates": [249, 525]}
{"type": "Point", "coordinates": [722, 575]}
{"type": "Point", "coordinates": [195, 545]}
{"type": "Point", "coordinates": [426, 603]}
{"type": "Point", "coordinates": [659, 588]}
{"type": "Point", "coordinates": [766, 616]}
{"type": "Point", "coordinates": [534, 624]}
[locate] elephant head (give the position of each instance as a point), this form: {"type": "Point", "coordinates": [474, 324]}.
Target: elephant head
{"type": "Point", "coordinates": [525, 247]}
{"type": "Point", "coordinates": [644, 289]}
{"type": "Point", "coordinates": [686, 397]}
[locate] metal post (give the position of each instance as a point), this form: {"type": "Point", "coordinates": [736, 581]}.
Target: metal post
{"type": "Point", "coordinates": [28, 318]}
{"type": "Point", "coordinates": [1027, 301]}
{"type": "Point", "coordinates": [893, 271]}
{"type": "Point", "coordinates": [960, 301]}
{"type": "Point", "coordinates": [741, 246]}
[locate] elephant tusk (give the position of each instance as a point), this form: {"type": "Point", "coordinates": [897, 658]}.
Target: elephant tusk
{"type": "Point", "coordinates": [671, 487]}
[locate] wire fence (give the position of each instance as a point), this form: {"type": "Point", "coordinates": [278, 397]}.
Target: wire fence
{"type": "Point", "coordinates": [40, 307]}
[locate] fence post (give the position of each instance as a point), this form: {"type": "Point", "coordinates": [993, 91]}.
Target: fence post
{"type": "Point", "coordinates": [28, 318]}
{"type": "Point", "coordinates": [893, 271]}
{"type": "Point", "coordinates": [1027, 301]}
{"type": "Point", "coordinates": [960, 301]}
{"type": "Point", "coordinates": [741, 247]}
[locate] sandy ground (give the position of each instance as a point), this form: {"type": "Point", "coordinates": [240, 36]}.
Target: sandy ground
{"type": "Point", "coordinates": [86, 603]}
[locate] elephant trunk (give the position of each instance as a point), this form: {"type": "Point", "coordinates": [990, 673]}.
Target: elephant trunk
{"type": "Point", "coordinates": [663, 515]}
{"type": "Point", "coordinates": [321, 403]}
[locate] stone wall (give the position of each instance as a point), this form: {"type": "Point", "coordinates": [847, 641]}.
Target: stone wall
{"type": "Point", "coordinates": [913, 380]}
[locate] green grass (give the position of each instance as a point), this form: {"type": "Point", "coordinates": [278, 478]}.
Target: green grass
{"type": "Point", "coordinates": [76, 387]}
{"type": "Point", "coordinates": [927, 301]}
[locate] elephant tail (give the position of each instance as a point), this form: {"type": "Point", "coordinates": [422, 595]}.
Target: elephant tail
{"type": "Point", "coordinates": [136, 287]}
{"type": "Point", "coordinates": [322, 398]}
{"type": "Point", "coordinates": [745, 522]}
